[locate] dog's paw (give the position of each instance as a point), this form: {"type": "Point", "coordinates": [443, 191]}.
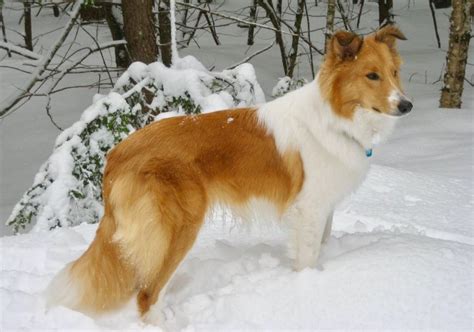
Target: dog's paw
{"type": "Point", "coordinates": [154, 316]}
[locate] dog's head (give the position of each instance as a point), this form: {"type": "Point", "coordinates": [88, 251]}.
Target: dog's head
{"type": "Point", "coordinates": [363, 74]}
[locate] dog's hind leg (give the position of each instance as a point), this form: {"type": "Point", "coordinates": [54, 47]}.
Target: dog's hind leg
{"type": "Point", "coordinates": [158, 218]}
{"type": "Point", "coordinates": [149, 297]}
{"type": "Point", "coordinates": [183, 207]}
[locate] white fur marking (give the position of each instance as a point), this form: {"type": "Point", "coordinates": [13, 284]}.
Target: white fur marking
{"type": "Point", "coordinates": [333, 152]}
{"type": "Point", "coordinates": [394, 97]}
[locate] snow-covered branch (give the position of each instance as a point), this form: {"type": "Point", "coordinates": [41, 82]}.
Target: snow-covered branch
{"type": "Point", "coordinates": [20, 50]}
{"type": "Point", "coordinates": [174, 47]}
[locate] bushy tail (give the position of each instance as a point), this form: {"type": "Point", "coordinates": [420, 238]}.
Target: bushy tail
{"type": "Point", "coordinates": [98, 281]}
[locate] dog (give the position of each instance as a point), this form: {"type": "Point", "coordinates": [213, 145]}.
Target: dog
{"type": "Point", "coordinates": [303, 153]}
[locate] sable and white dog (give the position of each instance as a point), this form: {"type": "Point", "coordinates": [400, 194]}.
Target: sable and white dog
{"type": "Point", "coordinates": [302, 152]}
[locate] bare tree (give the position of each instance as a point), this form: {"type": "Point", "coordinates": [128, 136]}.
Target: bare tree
{"type": "Point", "coordinates": [4, 33]}
{"type": "Point", "coordinates": [122, 57]}
{"type": "Point", "coordinates": [164, 27]}
{"type": "Point", "coordinates": [27, 18]}
{"type": "Point", "coordinates": [345, 18]}
{"type": "Point", "coordinates": [139, 30]}
{"type": "Point", "coordinates": [276, 22]}
{"type": "Point", "coordinates": [279, 7]}
{"type": "Point", "coordinates": [330, 22]}
{"type": "Point", "coordinates": [311, 60]}
{"type": "Point", "coordinates": [184, 19]}
{"type": "Point", "coordinates": [48, 70]}
{"type": "Point", "coordinates": [288, 24]}
{"type": "Point", "coordinates": [296, 38]}
{"type": "Point", "coordinates": [253, 18]}
{"type": "Point", "coordinates": [459, 37]}
{"type": "Point", "coordinates": [360, 12]}
{"type": "Point", "coordinates": [433, 15]}
{"type": "Point", "coordinates": [385, 16]}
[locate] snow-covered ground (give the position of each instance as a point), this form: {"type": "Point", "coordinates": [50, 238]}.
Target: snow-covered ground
{"type": "Point", "coordinates": [400, 258]}
{"type": "Point", "coordinates": [400, 255]}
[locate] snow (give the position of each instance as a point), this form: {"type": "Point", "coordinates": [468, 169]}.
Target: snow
{"type": "Point", "coordinates": [401, 251]}
{"type": "Point", "coordinates": [413, 204]}
{"type": "Point", "coordinates": [391, 262]}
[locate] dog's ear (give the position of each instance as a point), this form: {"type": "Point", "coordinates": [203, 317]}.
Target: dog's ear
{"type": "Point", "coordinates": [345, 45]}
{"type": "Point", "coordinates": [389, 35]}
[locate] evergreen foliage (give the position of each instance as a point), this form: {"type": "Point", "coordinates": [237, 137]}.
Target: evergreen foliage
{"type": "Point", "coordinates": [67, 189]}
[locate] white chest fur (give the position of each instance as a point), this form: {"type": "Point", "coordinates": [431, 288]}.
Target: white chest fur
{"type": "Point", "coordinates": [333, 152]}
{"type": "Point", "coordinates": [334, 162]}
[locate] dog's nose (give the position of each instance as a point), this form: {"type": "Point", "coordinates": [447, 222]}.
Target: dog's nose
{"type": "Point", "coordinates": [405, 106]}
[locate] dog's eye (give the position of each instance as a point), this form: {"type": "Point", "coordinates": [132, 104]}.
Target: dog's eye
{"type": "Point", "coordinates": [373, 76]}
{"type": "Point", "coordinates": [395, 73]}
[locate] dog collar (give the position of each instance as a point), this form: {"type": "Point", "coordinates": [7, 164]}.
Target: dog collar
{"type": "Point", "coordinates": [368, 153]}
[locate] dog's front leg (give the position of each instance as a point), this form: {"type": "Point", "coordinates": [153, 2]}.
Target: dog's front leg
{"type": "Point", "coordinates": [306, 234]}
{"type": "Point", "coordinates": [327, 228]}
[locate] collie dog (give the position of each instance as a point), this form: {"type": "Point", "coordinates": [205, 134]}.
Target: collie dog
{"type": "Point", "coordinates": [303, 153]}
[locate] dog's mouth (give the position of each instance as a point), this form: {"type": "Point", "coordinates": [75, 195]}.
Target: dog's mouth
{"type": "Point", "coordinates": [394, 114]}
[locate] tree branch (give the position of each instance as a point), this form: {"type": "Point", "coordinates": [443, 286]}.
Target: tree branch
{"type": "Point", "coordinates": [274, 18]}
{"type": "Point", "coordinates": [7, 104]}
{"type": "Point", "coordinates": [78, 61]}
{"type": "Point", "coordinates": [251, 56]}
{"type": "Point", "coordinates": [20, 51]}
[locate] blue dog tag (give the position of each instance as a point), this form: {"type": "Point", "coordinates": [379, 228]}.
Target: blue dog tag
{"type": "Point", "coordinates": [368, 152]}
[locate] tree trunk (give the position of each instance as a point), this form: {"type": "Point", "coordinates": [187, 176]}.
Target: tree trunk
{"type": "Point", "coordinates": [344, 17]}
{"type": "Point", "coordinates": [212, 26]}
{"type": "Point", "coordinates": [360, 12]}
{"type": "Point", "coordinates": [253, 18]}
{"type": "Point", "coordinates": [435, 24]}
{"type": "Point", "coordinates": [196, 25]}
{"type": "Point", "coordinates": [28, 34]}
{"type": "Point", "coordinates": [139, 30]}
{"type": "Point", "coordinates": [4, 33]}
{"type": "Point", "coordinates": [309, 39]}
{"type": "Point", "coordinates": [330, 22]}
{"type": "Point", "coordinates": [279, 7]}
{"type": "Point", "coordinates": [271, 13]}
{"type": "Point", "coordinates": [184, 19]}
{"type": "Point", "coordinates": [459, 36]}
{"type": "Point", "coordinates": [296, 38]}
{"type": "Point", "coordinates": [384, 12]}
{"type": "Point", "coordinates": [164, 27]}
{"type": "Point", "coordinates": [122, 58]}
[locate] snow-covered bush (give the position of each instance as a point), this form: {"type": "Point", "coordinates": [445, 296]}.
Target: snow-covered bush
{"type": "Point", "coordinates": [287, 84]}
{"type": "Point", "coordinates": [67, 189]}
